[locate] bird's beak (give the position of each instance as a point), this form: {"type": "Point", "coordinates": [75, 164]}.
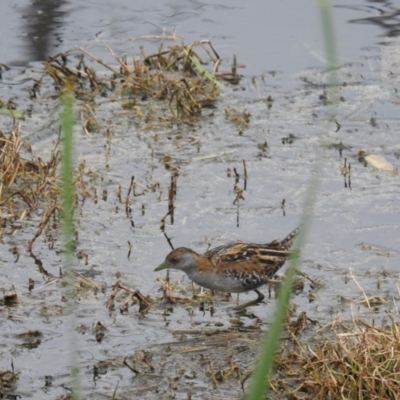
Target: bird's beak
{"type": "Point", "coordinates": [163, 265]}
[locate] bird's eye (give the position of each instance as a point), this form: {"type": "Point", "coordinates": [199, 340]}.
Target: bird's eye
{"type": "Point", "coordinates": [174, 260]}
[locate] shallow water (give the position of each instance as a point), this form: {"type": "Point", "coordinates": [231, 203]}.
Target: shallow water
{"type": "Point", "coordinates": [281, 47]}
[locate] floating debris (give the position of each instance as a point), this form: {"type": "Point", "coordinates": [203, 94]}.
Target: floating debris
{"type": "Point", "coordinates": [376, 160]}
{"type": "Point", "coordinates": [240, 118]}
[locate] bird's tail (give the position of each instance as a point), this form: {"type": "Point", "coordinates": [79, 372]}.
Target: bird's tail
{"type": "Point", "coordinates": [287, 242]}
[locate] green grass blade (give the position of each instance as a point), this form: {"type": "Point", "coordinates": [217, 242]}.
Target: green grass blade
{"type": "Point", "coordinates": [202, 69]}
{"type": "Point", "coordinates": [266, 360]}
{"type": "Point", "coordinates": [67, 199]}
{"type": "Point", "coordinates": [259, 384]}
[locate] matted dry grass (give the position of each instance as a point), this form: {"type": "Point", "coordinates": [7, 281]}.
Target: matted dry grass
{"type": "Point", "coordinates": [356, 360]}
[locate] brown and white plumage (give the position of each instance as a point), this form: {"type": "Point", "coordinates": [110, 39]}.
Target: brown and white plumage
{"type": "Point", "coordinates": [235, 267]}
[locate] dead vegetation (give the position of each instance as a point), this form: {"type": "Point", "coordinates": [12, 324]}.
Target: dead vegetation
{"type": "Point", "coordinates": [8, 381]}
{"type": "Point", "coordinates": [350, 360]}
{"type": "Point", "coordinates": [27, 182]}
{"type": "Point", "coordinates": [168, 87]}
{"type": "Point", "coordinates": [161, 89]}
{"type": "Point", "coordinates": [356, 361]}
{"type": "Point", "coordinates": [344, 359]}
{"type": "Point", "coordinates": [165, 88]}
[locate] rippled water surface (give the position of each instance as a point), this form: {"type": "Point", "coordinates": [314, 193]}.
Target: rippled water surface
{"type": "Point", "coordinates": [353, 232]}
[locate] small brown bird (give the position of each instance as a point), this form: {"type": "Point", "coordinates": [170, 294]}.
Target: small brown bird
{"type": "Point", "coordinates": [235, 267]}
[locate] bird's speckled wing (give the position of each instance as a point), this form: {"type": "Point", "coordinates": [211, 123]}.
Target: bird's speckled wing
{"type": "Point", "coordinates": [248, 258]}
{"type": "Point", "coordinates": [263, 260]}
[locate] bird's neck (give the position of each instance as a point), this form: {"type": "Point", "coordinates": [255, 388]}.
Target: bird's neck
{"type": "Point", "coordinates": [203, 264]}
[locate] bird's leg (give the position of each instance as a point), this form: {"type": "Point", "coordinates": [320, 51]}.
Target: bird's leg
{"type": "Point", "coordinates": [259, 299]}
{"type": "Point", "coordinates": [193, 290]}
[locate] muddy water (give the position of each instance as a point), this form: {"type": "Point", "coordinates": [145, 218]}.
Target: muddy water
{"type": "Point", "coordinates": [353, 229]}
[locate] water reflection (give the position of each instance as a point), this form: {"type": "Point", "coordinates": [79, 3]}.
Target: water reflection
{"type": "Point", "coordinates": [385, 15]}
{"type": "Point", "coordinates": [42, 22]}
